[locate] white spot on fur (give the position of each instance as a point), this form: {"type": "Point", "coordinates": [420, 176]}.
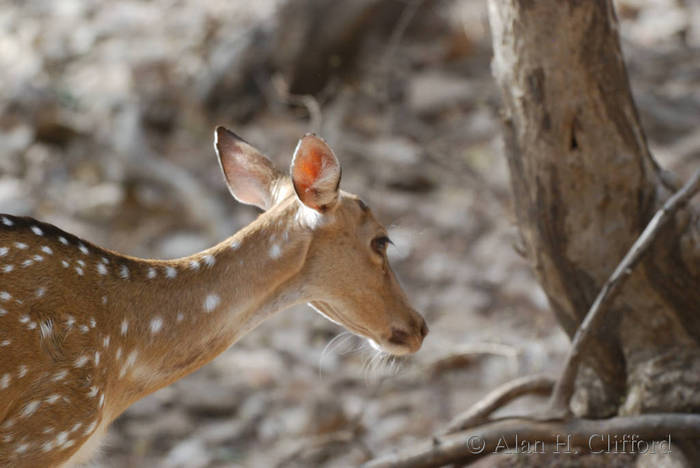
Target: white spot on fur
{"type": "Point", "coordinates": [60, 375]}
{"type": "Point", "coordinates": [90, 428]}
{"type": "Point", "coordinates": [105, 341]}
{"type": "Point", "coordinates": [124, 272]}
{"type": "Point", "coordinates": [130, 360]}
{"type": "Point", "coordinates": [151, 273]}
{"type": "Point", "coordinates": [5, 381]}
{"type": "Point", "coordinates": [37, 230]}
{"type": "Point", "coordinates": [81, 361]}
{"type": "Point", "coordinates": [170, 272]}
{"type": "Point", "coordinates": [27, 263]}
{"type": "Point", "coordinates": [118, 354]}
{"type": "Point", "coordinates": [62, 240]}
{"type": "Point", "coordinates": [275, 251]}
{"type": "Point", "coordinates": [93, 323]}
{"type": "Point", "coordinates": [30, 408]}
{"type": "Point", "coordinates": [93, 392]}
{"type": "Point", "coordinates": [22, 448]}
{"type": "Point", "coordinates": [47, 250]}
{"type": "Point", "coordinates": [97, 358]}
{"type": "Point", "coordinates": [21, 245]}
{"type": "Point", "coordinates": [5, 342]}
{"type": "Point", "coordinates": [46, 328]}
{"type": "Point", "coordinates": [40, 292]}
{"type": "Point", "coordinates": [5, 296]}
{"type": "Point", "coordinates": [82, 248]}
{"type": "Point", "coordinates": [8, 268]}
{"type": "Point", "coordinates": [235, 244]}
{"type": "Point", "coordinates": [38, 258]}
{"type": "Point", "coordinates": [180, 317]}
{"type": "Point", "coordinates": [3, 251]}
{"type": "Point", "coordinates": [8, 423]}
{"type": "Point", "coordinates": [105, 260]}
{"type": "Point", "coordinates": [65, 264]}
{"type": "Point", "coordinates": [22, 371]}
{"type": "Point", "coordinates": [7, 222]}
{"type": "Point", "coordinates": [47, 446]}
{"type": "Point", "coordinates": [211, 301]}
{"type": "Point", "coordinates": [79, 271]}
{"type": "Point", "coordinates": [308, 217]}
{"type": "Point", "coordinates": [194, 265]}
{"type": "Point", "coordinates": [83, 329]}
{"type": "Point", "coordinates": [70, 321]}
{"type": "Point", "coordinates": [81, 263]}
{"type": "Point", "coordinates": [61, 437]}
{"type": "Point", "coordinates": [51, 399]}
{"type": "Point", "coordinates": [31, 326]}
{"type": "Point", "coordinates": [24, 319]}
{"type": "Point", "coordinates": [102, 400]}
{"type": "Point", "coordinates": [75, 427]}
{"type": "Point", "coordinates": [101, 269]}
{"type": "Point", "coordinates": [125, 326]}
{"type": "Point", "coordinates": [156, 325]}
{"type": "Point", "coordinates": [209, 260]}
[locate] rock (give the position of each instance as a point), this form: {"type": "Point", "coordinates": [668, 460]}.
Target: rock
{"type": "Point", "coordinates": [190, 453]}
{"type": "Point", "coordinates": [166, 425]}
{"type": "Point", "coordinates": [207, 398]}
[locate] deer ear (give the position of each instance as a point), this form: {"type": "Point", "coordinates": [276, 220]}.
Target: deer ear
{"type": "Point", "coordinates": [315, 173]}
{"type": "Point", "coordinates": [250, 175]}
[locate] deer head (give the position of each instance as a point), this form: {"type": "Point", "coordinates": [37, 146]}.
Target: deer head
{"type": "Point", "coordinates": [346, 274]}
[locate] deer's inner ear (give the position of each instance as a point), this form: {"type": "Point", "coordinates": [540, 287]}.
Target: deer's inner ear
{"type": "Point", "coordinates": [250, 176]}
{"type": "Point", "coordinates": [315, 173]}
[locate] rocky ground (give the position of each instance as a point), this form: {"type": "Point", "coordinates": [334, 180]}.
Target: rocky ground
{"type": "Point", "coordinates": [106, 118]}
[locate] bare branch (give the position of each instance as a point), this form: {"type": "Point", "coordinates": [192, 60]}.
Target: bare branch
{"type": "Point", "coordinates": [588, 434]}
{"type": "Point", "coordinates": [467, 353]}
{"type": "Point", "coordinates": [312, 106]}
{"type": "Point", "coordinates": [499, 397]}
{"type": "Point", "coordinates": [594, 318]}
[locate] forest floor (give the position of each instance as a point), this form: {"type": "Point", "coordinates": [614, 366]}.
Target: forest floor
{"type": "Point", "coordinates": [106, 118]}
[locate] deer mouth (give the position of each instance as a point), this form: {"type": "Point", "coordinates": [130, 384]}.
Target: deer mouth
{"type": "Point", "coordinates": [398, 343]}
{"type": "Point", "coordinates": [332, 314]}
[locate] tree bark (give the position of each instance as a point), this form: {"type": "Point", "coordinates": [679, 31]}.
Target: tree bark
{"type": "Point", "coordinates": [585, 185]}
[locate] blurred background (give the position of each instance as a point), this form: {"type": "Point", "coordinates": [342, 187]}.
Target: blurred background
{"type": "Point", "coordinates": [107, 111]}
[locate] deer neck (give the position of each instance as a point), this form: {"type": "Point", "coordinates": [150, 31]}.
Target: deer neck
{"type": "Point", "coordinates": [192, 309]}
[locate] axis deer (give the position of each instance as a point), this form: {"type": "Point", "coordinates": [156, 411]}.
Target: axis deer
{"type": "Point", "coordinates": [85, 332]}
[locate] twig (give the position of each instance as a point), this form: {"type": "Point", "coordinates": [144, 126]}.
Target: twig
{"type": "Point", "coordinates": [318, 443]}
{"type": "Point", "coordinates": [397, 34]}
{"type": "Point", "coordinates": [308, 101]}
{"type": "Point", "coordinates": [512, 433]}
{"type": "Point", "coordinates": [479, 412]}
{"type": "Point", "coordinates": [463, 354]}
{"type": "Point", "coordinates": [399, 30]}
{"type": "Point", "coordinates": [559, 403]}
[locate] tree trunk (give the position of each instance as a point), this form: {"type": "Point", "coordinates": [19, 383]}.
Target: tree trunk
{"type": "Point", "coordinates": [585, 185]}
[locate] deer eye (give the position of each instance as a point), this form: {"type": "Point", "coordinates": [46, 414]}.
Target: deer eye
{"type": "Point", "coordinates": [379, 244]}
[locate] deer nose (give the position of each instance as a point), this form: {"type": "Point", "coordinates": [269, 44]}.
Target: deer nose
{"type": "Point", "coordinates": [423, 328]}
{"type": "Point", "coordinates": [398, 337]}
{"type": "Point", "coordinates": [413, 339]}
